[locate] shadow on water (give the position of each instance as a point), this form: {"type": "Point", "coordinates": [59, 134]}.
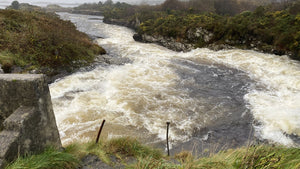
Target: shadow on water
{"type": "Point", "coordinates": [221, 91]}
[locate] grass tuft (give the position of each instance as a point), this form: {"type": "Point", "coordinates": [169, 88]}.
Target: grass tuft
{"type": "Point", "coordinates": [131, 147]}
{"type": "Point", "coordinates": [50, 159]}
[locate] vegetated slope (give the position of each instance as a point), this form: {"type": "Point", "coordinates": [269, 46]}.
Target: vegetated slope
{"type": "Point", "coordinates": [36, 40]}
{"type": "Point", "coordinates": [276, 32]}
{"type": "Point", "coordinates": [273, 28]}
{"type": "Point", "coordinates": [129, 153]}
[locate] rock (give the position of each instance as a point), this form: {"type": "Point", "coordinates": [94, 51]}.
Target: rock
{"type": "Point", "coordinates": [93, 162]}
{"type": "Point", "coordinates": [133, 24]}
{"type": "Point", "coordinates": [217, 47]}
{"type": "Point", "coordinates": [1, 71]}
{"type": "Point", "coordinates": [16, 69]}
{"type": "Point", "coordinates": [137, 37]}
{"type": "Point", "coordinates": [115, 60]}
{"type": "Point", "coordinates": [94, 37]}
{"type": "Point", "coordinates": [199, 33]}
{"type": "Point", "coordinates": [167, 42]}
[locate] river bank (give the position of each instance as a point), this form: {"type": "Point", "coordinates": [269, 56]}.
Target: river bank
{"type": "Point", "coordinates": [36, 42]}
{"type": "Point", "coordinates": [188, 43]}
{"type": "Point", "coordinates": [267, 29]}
{"type": "Point", "coordinates": [128, 153]}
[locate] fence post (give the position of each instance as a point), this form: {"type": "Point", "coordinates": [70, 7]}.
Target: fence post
{"type": "Point", "coordinates": [100, 130]}
{"type": "Point", "coordinates": [168, 124]}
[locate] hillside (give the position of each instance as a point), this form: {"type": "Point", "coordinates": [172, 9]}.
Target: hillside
{"type": "Point", "coordinates": [42, 42]}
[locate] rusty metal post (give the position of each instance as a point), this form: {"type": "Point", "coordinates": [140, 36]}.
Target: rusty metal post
{"type": "Point", "coordinates": [100, 130]}
{"type": "Point", "coordinates": [168, 124]}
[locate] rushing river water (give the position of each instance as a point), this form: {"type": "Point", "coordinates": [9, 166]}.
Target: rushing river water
{"type": "Point", "coordinates": [213, 96]}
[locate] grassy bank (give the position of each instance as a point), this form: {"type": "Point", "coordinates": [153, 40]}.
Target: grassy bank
{"type": "Point", "coordinates": [268, 27]}
{"type": "Point", "coordinates": [262, 29]}
{"type": "Point", "coordinates": [132, 154]}
{"type": "Point", "coordinates": [35, 40]}
{"type": "Point", "coordinates": [265, 28]}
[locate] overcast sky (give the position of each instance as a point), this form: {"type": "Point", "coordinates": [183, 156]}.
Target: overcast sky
{"type": "Point", "coordinates": [75, 2]}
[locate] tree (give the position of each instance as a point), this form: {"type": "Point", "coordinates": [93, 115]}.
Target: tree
{"type": "Point", "coordinates": [108, 2]}
{"type": "Point", "coordinates": [15, 5]}
{"type": "Point", "coordinates": [172, 5]}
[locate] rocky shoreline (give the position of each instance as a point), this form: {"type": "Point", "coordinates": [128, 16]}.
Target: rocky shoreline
{"type": "Point", "coordinates": [186, 46]}
{"type": "Point", "coordinates": [189, 44]}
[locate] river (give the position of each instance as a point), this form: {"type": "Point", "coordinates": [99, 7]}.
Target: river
{"type": "Point", "coordinates": [227, 97]}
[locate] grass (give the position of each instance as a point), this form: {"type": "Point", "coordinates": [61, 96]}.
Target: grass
{"type": "Point", "coordinates": [49, 159]}
{"type": "Point", "coordinates": [253, 157]}
{"type": "Point", "coordinates": [131, 147]}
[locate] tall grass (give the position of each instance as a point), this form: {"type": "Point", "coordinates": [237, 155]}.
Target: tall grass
{"type": "Point", "coordinates": [252, 157]}
{"type": "Point", "coordinates": [131, 147]}
{"type": "Point", "coordinates": [50, 159]}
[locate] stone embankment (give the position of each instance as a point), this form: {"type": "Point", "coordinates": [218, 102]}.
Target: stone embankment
{"type": "Point", "coordinates": [27, 121]}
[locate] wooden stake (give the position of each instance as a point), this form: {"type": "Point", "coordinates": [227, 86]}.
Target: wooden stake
{"type": "Point", "coordinates": [168, 124]}
{"type": "Point", "coordinates": [100, 130]}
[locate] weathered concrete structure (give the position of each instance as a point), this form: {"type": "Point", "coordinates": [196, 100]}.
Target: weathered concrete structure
{"type": "Point", "coordinates": [27, 121]}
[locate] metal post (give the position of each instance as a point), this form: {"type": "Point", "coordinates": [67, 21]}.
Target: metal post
{"type": "Point", "coordinates": [100, 130]}
{"type": "Point", "coordinates": [168, 123]}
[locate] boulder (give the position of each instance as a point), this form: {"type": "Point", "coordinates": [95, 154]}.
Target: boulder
{"type": "Point", "coordinates": [168, 42]}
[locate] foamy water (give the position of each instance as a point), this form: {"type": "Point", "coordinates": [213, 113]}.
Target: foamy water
{"type": "Point", "coordinates": [138, 98]}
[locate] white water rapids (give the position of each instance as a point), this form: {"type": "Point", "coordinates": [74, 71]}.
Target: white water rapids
{"type": "Point", "coordinates": [138, 98]}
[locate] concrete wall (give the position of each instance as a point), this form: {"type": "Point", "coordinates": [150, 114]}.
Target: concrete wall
{"type": "Point", "coordinates": [27, 121]}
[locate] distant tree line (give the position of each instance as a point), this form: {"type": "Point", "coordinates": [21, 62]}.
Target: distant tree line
{"type": "Point", "coordinates": [221, 7]}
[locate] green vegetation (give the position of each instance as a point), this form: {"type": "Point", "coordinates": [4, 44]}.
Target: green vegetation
{"type": "Point", "coordinates": [264, 29]}
{"type": "Point", "coordinates": [120, 147]}
{"type": "Point", "coordinates": [51, 158]}
{"type": "Point", "coordinates": [273, 27]}
{"type": "Point", "coordinates": [124, 149]}
{"type": "Point", "coordinates": [33, 40]}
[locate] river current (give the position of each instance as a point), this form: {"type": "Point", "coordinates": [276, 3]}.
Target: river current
{"type": "Point", "coordinates": [214, 96]}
